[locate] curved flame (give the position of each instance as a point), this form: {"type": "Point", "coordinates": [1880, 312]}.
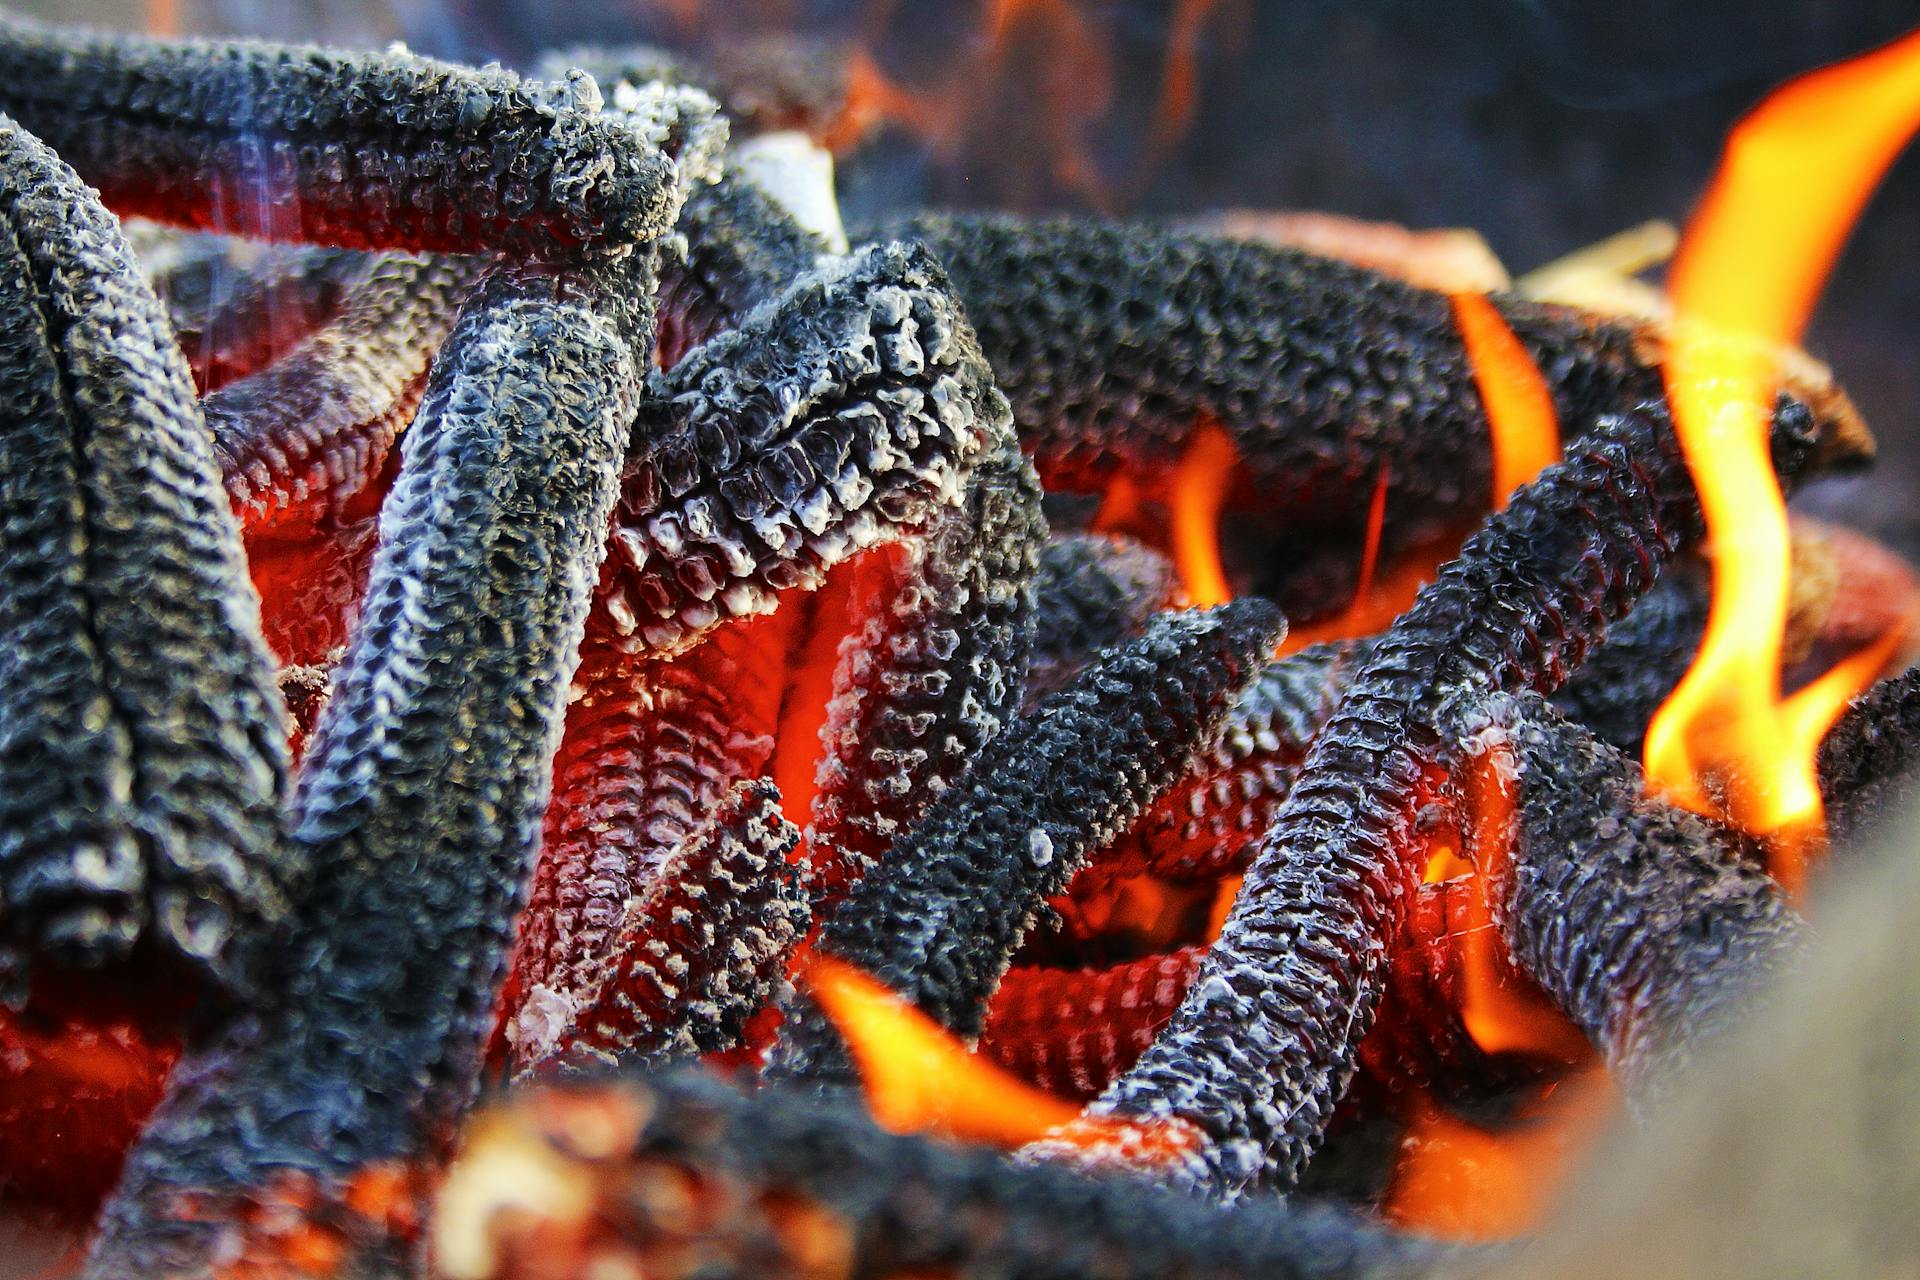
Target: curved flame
{"type": "Point", "coordinates": [1524, 427]}
{"type": "Point", "coordinates": [1791, 184]}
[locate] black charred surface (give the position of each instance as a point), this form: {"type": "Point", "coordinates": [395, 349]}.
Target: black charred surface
{"type": "Point", "coordinates": [788, 1165]}
{"type": "Point", "coordinates": [313, 428]}
{"type": "Point", "coordinates": [837, 417]}
{"type": "Point", "coordinates": [365, 150]}
{"type": "Point", "coordinates": [143, 755]}
{"type": "Point", "coordinates": [936, 671]}
{"type": "Point", "coordinates": [421, 799]}
{"type": "Point", "coordinates": [1264, 1045]}
{"type": "Point", "coordinates": [1652, 928]}
{"type": "Point", "coordinates": [939, 921]}
{"type": "Point", "coordinates": [1112, 341]}
{"type": "Point", "coordinates": [233, 318]}
{"type": "Point", "coordinates": [709, 944]}
{"type": "Point", "coordinates": [1867, 763]}
{"type": "Point", "coordinates": [1616, 693]}
{"type": "Point", "coordinates": [1090, 592]}
{"type": "Point", "coordinates": [1205, 825]}
{"type": "Point", "coordinates": [742, 248]}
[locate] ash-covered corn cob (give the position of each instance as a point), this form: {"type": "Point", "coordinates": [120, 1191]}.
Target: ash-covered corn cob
{"type": "Point", "coordinates": [1090, 592]}
{"type": "Point", "coordinates": [359, 150]}
{"type": "Point", "coordinates": [235, 316]}
{"type": "Point", "coordinates": [142, 752]}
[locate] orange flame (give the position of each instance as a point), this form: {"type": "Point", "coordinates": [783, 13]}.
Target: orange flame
{"type": "Point", "coordinates": [1519, 404]}
{"type": "Point", "coordinates": [920, 1079]}
{"type": "Point", "coordinates": [1459, 1181]}
{"type": "Point", "coordinates": [1791, 184]}
{"type": "Point", "coordinates": [1198, 492]}
{"type": "Point", "coordinates": [1500, 1009]}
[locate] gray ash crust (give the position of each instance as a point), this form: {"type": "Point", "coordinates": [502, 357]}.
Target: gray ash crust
{"type": "Point", "coordinates": [939, 920]}
{"type": "Point", "coordinates": [1263, 1047]}
{"type": "Point", "coordinates": [911, 1205]}
{"type": "Point", "coordinates": [763, 84]}
{"type": "Point", "coordinates": [707, 946]}
{"type": "Point", "coordinates": [1651, 927]}
{"type": "Point", "coordinates": [312, 429]}
{"type": "Point", "coordinates": [1112, 340]}
{"type": "Point", "coordinates": [1867, 762]}
{"type": "Point", "coordinates": [143, 754]}
{"type": "Point", "coordinates": [232, 316]}
{"type": "Point", "coordinates": [358, 150]}
{"type": "Point", "coordinates": [420, 802]}
{"type": "Point", "coordinates": [1090, 592]}
{"type": "Point", "coordinates": [834, 418]}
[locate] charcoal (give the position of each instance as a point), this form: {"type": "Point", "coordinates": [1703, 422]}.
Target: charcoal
{"type": "Point", "coordinates": [708, 946]}
{"type": "Point", "coordinates": [365, 150]}
{"type": "Point", "coordinates": [1090, 593]}
{"type": "Point", "coordinates": [783, 1184]}
{"type": "Point", "coordinates": [1263, 1046]}
{"type": "Point", "coordinates": [1867, 763]}
{"type": "Point", "coordinates": [941, 918]}
{"type": "Point", "coordinates": [421, 798]}
{"type": "Point", "coordinates": [235, 317]}
{"type": "Point", "coordinates": [142, 748]}
{"type": "Point", "coordinates": [1652, 928]}
{"type": "Point", "coordinates": [311, 430]}
{"type": "Point", "coordinates": [1620, 687]}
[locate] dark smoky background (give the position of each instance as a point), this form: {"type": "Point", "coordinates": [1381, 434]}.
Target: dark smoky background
{"type": "Point", "coordinates": [1543, 124]}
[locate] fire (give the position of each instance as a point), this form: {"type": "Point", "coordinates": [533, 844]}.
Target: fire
{"type": "Point", "coordinates": [1460, 1181]}
{"type": "Point", "coordinates": [1791, 184]}
{"type": "Point", "coordinates": [1520, 413]}
{"type": "Point", "coordinates": [920, 1079]}
{"type": "Point", "coordinates": [1198, 492]}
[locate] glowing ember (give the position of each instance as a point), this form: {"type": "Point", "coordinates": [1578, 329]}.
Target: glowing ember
{"type": "Point", "coordinates": [1520, 414]}
{"type": "Point", "coordinates": [1794, 177]}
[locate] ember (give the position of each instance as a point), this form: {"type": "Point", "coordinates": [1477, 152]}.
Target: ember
{"type": "Point", "coordinates": [562, 717]}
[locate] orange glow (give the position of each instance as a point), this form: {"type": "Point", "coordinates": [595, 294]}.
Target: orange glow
{"type": "Point", "coordinates": [1197, 494]}
{"type": "Point", "coordinates": [1390, 595]}
{"type": "Point", "coordinates": [1223, 900]}
{"type": "Point", "coordinates": [1520, 414]}
{"type": "Point", "coordinates": [1458, 1181]}
{"type": "Point", "coordinates": [920, 1079]}
{"type": "Point", "coordinates": [1791, 184]}
{"type": "Point", "coordinates": [163, 17]}
{"type": "Point", "coordinates": [1500, 1009]}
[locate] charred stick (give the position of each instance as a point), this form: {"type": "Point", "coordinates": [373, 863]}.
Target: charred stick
{"type": "Point", "coordinates": [935, 671]}
{"type": "Point", "coordinates": [365, 150]}
{"type": "Point", "coordinates": [311, 583]}
{"type": "Point", "coordinates": [235, 317]}
{"type": "Point", "coordinates": [836, 418]}
{"type": "Point", "coordinates": [1649, 926]}
{"type": "Point", "coordinates": [1073, 1031]}
{"type": "Point", "coordinates": [939, 920]}
{"type": "Point", "coordinates": [1114, 341]}
{"type": "Point", "coordinates": [420, 802]}
{"type": "Point", "coordinates": [311, 430]}
{"type": "Point", "coordinates": [650, 750]}
{"type": "Point", "coordinates": [707, 947]}
{"type": "Point", "coordinates": [785, 1184]}
{"type": "Point", "coordinates": [1090, 593]}
{"type": "Point", "coordinates": [1264, 1044]}
{"type": "Point", "coordinates": [142, 752]}
{"type": "Point", "coordinates": [1620, 687]}
{"type": "Point", "coordinates": [1868, 762]}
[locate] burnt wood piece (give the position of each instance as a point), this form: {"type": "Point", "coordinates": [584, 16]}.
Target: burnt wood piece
{"type": "Point", "coordinates": [835, 418]}
{"type": "Point", "coordinates": [1090, 592]}
{"type": "Point", "coordinates": [311, 430]}
{"type": "Point", "coordinates": [1113, 341]}
{"type": "Point", "coordinates": [1625, 680]}
{"type": "Point", "coordinates": [939, 920]}
{"type": "Point", "coordinates": [1651, 927]}
{"type": "Point", "coordinates": [143, 755]}
{"type": "Point", "coordinates": [420, 801]}
{"type": "Point", "coordinates": [358, 150]}
{"type": "Point", "coordinates": [786, 1184]}
{"type": "Point", "coordinates": [235, 317]}
{"type": "Point", "coordinates": [1264, 1045]}
{"type": "Point", "coordinates": [1867, 763]}
{"type": "Point", "coordinates": [708, 945]}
